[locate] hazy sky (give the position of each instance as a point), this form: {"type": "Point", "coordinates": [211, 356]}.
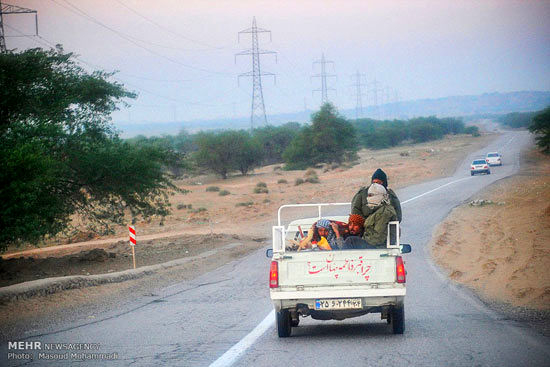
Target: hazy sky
{"type": "Point", "coordinates": [179, 54]}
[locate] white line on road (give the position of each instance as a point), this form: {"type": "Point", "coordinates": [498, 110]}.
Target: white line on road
{"type": "Point", "coordinates": [229, 357]}
{"type": "Point", "coordinates": [437, 188]}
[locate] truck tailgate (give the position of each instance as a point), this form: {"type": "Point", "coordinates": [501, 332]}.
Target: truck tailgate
{"type": "Point", "coordinates": [336, 268]}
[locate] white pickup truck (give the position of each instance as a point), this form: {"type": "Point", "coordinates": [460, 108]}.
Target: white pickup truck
{"type": "Point", "coordinates": [335, 285]}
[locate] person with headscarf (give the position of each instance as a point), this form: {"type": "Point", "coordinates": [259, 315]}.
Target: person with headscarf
{"type": "Point", "coordinates": [331, 239]}
{"type": "Point", "coordinates": [356, 229]}
{"type": "Point", "coordinates": [375, 230]}
{"type": "Point", "coordinates": [359, 204]}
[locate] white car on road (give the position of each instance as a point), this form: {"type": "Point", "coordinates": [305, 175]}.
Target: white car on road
{"type": "Point", "coordinates": [480, 166]}
{"type": "Point", "coordinates": [494, 159]}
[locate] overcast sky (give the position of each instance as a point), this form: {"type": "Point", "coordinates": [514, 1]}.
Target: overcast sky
{"type": "Point", "coordinates": [179, 54]}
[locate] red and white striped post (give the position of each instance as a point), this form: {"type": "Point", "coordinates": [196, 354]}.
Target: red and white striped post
{"type": "Point", "coordinates": [133, 241]}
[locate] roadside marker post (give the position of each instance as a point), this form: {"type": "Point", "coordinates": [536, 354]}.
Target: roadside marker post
{"type": "Point", "coordinates": [133, 241]}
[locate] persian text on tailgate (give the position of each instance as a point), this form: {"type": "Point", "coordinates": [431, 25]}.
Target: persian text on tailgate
{"type": "Point", "coordinates": [336, 268]}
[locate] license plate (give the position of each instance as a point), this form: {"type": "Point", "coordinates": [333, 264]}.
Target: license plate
{"type": "Point", "coordinates": [338, 304]}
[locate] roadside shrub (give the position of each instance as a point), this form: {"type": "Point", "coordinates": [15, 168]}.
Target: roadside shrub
{"type": "Point", "coordinates": [181, 206]}
{"type": "Point", "coordinates": [473, 130]}
{"type": "Point", "coordinates": [298, 181]}
{"type": "Point", "coordinates": [261, 184]}
{"type": "Point", "coordinates": [260, 190]}
{"type": "Point", "coordinates": [282, 181]}
{"type": "Point", "coordinates": [212, 189]}
{"type": "Point", "coordinates": [266, 201]}
{"type": "Point", "coordinates": [245, 203]}
{"type": "Point", "coordinates": [310, 172]}
{"type": "Point", "coordinates": [404, 154]}
{"type": "Point", "coordinates": [313, 180]}
{"type": "Point", "coordinates": [199, 210]}
{"type": "Point", "coordinates": [541, 128]}
{"type": "Point", "coordinates": [224, 193]}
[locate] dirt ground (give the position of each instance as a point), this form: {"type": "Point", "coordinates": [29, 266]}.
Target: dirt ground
{"type": "Point", "coordinates": [115, 257]}
{"type": "Point", "coordinates": [189, 231]}
{"type": "Point", "coordinates": [501, 248]}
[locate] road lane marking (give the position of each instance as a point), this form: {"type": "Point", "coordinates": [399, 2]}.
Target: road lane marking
{"type": "Point", "coordinates": [437, 188]}
{"type": "Point", "coordinates": [229, 357]}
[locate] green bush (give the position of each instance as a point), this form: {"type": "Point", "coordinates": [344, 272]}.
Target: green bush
{"type": "Point", "coordinates": [261, 184]}
{"type": "Point", "coordinates": [224, 193]}
{"type": "Point", "coordinates": [328, 139]}
{"type": "Point", "coordinates": [199, 210]}
{"type": "Point", "coordinates": [282, 181]}
{"type": "Point", "coordinates": [260, 190]}
{"type": "Point", "coordinates": [310, 172]}
{"type": "Point", "coordinates": [313, 180]}
{"type": "Point", "coordinates": [517, 119]}
{"type": "Point", "coordinates": [181, 206]}
{"type": "Point", "coordinates": [245, 203]}
{"type": "Point", "coordinates": [298, 181]}
{"type": "Point", "coordinates": [473, 130]}
{"type": "Point", "coordinates": [541, 128]}
{"type": "Point", "coordinates": [212, 189]}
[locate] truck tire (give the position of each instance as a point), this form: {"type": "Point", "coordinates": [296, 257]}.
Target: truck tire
{"type": "Point", "coordinates": [398, 319]}
{"type": "Point", "coordinates": [471, 173]}
{"type": "Point", "coordinates": [284, 326]}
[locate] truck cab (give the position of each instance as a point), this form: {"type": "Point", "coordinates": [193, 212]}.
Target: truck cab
{"type": "Point", "coordinates": [337, 284]}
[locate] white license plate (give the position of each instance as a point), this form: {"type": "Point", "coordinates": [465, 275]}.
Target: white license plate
{"type": "Point", "coordinates": [338, 304]}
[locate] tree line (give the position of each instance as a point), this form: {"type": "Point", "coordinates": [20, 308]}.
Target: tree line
{"type": "Point", "coordinates": [329, 138]}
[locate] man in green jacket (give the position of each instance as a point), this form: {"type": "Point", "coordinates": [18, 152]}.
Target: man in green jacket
{"type": "Point", "coordinates": [359, 202]}
{"type": "Point", "coordinates": [376, 225]}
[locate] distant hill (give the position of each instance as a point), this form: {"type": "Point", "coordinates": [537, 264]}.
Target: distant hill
{"type": "Point", "coordinates": [487, 103]}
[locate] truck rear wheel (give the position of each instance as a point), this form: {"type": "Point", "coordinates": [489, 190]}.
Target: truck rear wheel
{"type": "Point", "coordinates": [398, 319]}
{"type": "Point", "coordinates": [284, 326]}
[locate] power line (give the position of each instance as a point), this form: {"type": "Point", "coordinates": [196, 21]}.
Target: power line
{"type": "Point", "coordinates": [168, 29]}
{"type": "Point", "coordinates": [74, 9]}
{"type": "Point", "coordinates": [45, 42]}
{"type": "Point", "coordinates": [324, 75]}
{"type": "Point", "coordinates": [258, 107]}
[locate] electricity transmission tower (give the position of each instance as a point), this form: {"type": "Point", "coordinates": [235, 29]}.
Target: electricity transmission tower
{"type": "Point", "coordinates": [374, 90]}
{"type": "Point", "coordinates": [323, 75]}
{"type": "Point", "coordinates": [258, 107]}
{"type": "Point", "coordinates": [358, 84]}
{"type": "Point", "coordinates": [6, 9]}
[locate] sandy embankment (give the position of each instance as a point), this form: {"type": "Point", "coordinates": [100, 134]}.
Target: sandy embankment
{"type": "Point", "coordinates": [502, 249]}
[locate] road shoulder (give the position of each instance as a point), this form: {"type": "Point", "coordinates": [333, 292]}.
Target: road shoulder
{"type": "Point", "coordinates": [498, 244]}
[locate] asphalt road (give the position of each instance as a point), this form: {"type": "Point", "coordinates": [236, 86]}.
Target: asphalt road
{"type": "Point", "coordinates": [226, 315]}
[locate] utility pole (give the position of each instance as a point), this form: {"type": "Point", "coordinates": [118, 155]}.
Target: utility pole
{"type": "Point", "coordinates": [396, 101]}
{"type": "Point", "coordinates": [6, 9]}
{"type": "Point", "coordinates": [323, 75]}
{"type": "Point", "coordinates": [358, 84]}
{"type": "Point", "coordinates": [374, 90]}
{"type": "Point", "coordinates": [258, 107]}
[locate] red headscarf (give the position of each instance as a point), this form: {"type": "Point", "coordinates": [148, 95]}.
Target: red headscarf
{"type": "Point", "coordinates": [356, 219]}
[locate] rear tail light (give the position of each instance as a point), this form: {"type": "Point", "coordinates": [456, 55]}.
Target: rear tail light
{"type": "Point", "coordinates": [274, 275]}
{"type": "Point", "coordinates": [472, 167]}
{"type": "Point", "coordinates": [485, 167]}
{"type": "Point", "coordinates": [400, 269]}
